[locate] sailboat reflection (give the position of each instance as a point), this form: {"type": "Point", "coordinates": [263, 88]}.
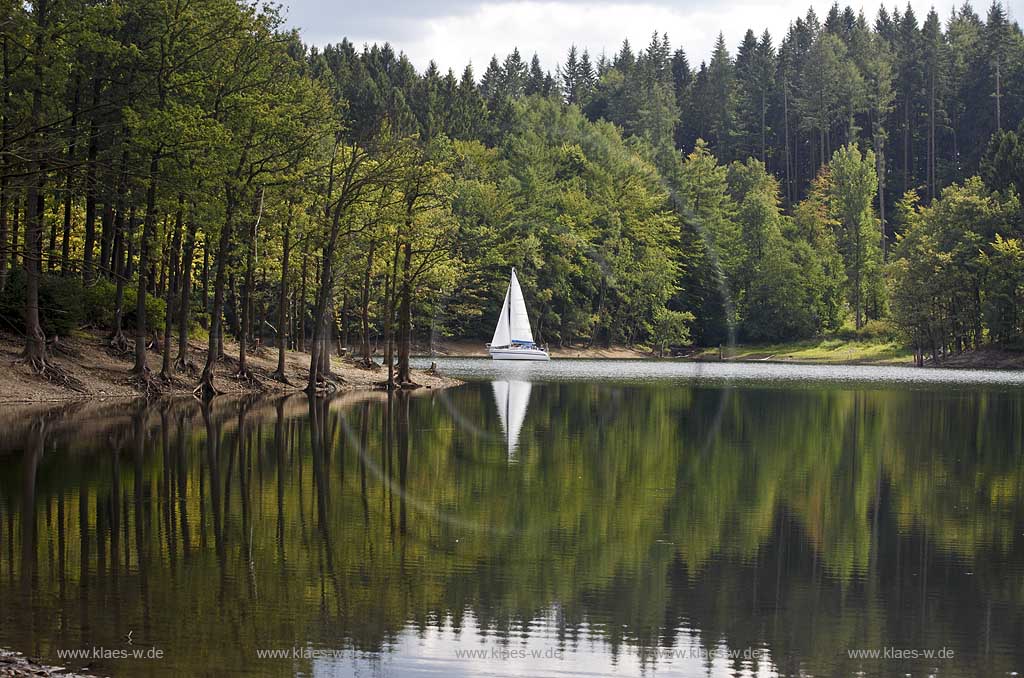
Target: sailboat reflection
{"type": "Point", "coordinates": [512, 398]}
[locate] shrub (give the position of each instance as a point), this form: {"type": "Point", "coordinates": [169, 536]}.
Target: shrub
{"type": "Point", "coordinates": [65, 304]}
{"type": "Point", "coordinates": [60, 303]}
{"type": "Point", "coordinates": [873, 330]}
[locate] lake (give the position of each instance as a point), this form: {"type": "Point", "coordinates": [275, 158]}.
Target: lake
{"type": "Point", "coordinates": [573, 518]}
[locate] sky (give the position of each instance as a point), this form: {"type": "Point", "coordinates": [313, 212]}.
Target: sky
{"type": "Point", "coordinates": [456, 32]}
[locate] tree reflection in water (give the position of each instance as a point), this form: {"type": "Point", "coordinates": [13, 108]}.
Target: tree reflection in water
{"type": "Point", "coordinates": [804, 521]}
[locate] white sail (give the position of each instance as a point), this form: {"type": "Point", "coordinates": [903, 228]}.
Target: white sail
{"type": "Point", "coordinates": [519, 321]}
{"type": "Point", "coordinates": [502, 337]}
{"type": "Point", "coordinates": [512, 399]}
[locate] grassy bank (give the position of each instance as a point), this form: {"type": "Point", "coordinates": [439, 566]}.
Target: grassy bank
{"type": "Point", "coordinates": [823, 350]}
{"type": "Point", "coordinates": [828, 351]}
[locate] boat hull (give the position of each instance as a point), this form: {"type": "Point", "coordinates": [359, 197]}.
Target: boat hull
{"type": "Point", "coordinates": [519, 354]}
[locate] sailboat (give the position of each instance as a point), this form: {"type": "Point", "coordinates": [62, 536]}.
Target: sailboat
{"type": "Point", "coordinates": [512, 399]}
{"type": "Point", "coordinates": [513, 338]}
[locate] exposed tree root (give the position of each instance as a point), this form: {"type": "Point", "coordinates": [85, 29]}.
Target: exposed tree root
{"type": "Point", "coordinates": [323, 387]}
{"type": "Point", "coordinates": [280, 376]}
{"type": "Point", "coordinates": [249, 378]}
{"type": "Point", "coordinates": [55, 345]}
{"type": "Point", "coordinates": [146, 384]}
{"type": "Point", "coordinates": [185, 366]}
{"type": "Point", "coordinates": [206, 389]}
{"type": "Point", "coordinates": [168, 380]}
{"type": "Point", "coordinates": [117, 345]}
{"type": "Point", "coordinates": [53, 373]}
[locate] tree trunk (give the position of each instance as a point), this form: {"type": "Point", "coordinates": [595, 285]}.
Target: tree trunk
{"type": "Point", "coordinates": [282, 301]}
{"type": "Point", "coordinates": [906, 142]}
{"type": "Point", "coordinates": [931, 135]}
{"type": "Point", "coordinates": [880, 171]}
{"type": "Point", "coordinates": [35, 341]}
{"type": "Point", "coordinates": [119, 264]}
{"type": "Point", "coordinates": [4, 188]}
{"type": "Point", "coordinates": [107, 228]}
{"type": "Point", "coordinates": [206, 277]}
{"type": "Point", "coordinates": [763, 115]}
{"type": "Point", "coordinates": [65, 244]}
{"type": "Point", "coordinates": [90, 189]}
{"type": "Point", "coordinates": [405, 318]}
{"type": "Point", "coordinates": [300, 307]}
{"type": "Point", "coordinates": [389, 344]}
{"type": "Point", "coordinates": [364, 347]}
{"type": "Point", "coordinates": [173, 282]}
{"type": "Point", "coordinates": [246, 320]}
{"type": "Point", "coordinates": [181, 363]}
{"type": "Point", "coordinates": [148, 228]}
{"type": "Point", "coordinates": [206, 385]}
{"type": "Point", "coordinates": [15, 228]}
{"type": "Point", "coordinates": [391, 295]}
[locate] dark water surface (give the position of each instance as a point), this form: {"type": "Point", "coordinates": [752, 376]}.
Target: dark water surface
{"type": "Point", "coordinates": [579, 518]}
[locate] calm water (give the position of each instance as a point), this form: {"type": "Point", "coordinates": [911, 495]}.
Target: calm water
{"type": "Point", "coordinates": [569, 519]}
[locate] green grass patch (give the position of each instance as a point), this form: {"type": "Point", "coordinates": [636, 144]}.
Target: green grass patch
{"type": "Point", "coordinates": [828, 350]}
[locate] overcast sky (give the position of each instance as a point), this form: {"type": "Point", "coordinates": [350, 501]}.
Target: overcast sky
{"type": "Point", "coordinates": [454, 32]}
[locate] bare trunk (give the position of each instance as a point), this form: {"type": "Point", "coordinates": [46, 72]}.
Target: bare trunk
{"type": "Point", "coordinates": [246, 310]}
{"type": "Point", "coordinates": [90, 189]}
{"type": "Point", "coordinates": [880, 171]}
{"type": "Point", "coordinates": [118, 264]}
{"type": "Point", "coordinates": [405, 318]}
{"type": "Point", "coordinates": [35, 341]}
{"type": "Point", "coordinates": [107, 266]}
{"type": "Point", "coordinates": [364, 347]}
{"type": "Point", "coordinates": [181, 363]}
{"type": "Point", "coordinates": [174, 277]}
{"type": "Point", "coordinates": [15, 230]}
{"type": "Point", "coordinates": [4, 188]}
{"type": "Point", "coordinates": [300, 307]}
{"type": "Point", "coordinates": [148, 227]}
{"type": "Point", "coordinates": [65, 245]}
{"type": "Point", "coordinates": [206, 385]}
{"type": "Point", "coordinates": [282, 302]}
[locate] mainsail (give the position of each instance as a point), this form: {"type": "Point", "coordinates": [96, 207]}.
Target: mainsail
{"type": "Point", "coordinates": [502, 336]}
{"type": "Point", "coordinates": [512, 399]}
{"type": "Point", "coordinates": [513, 321]}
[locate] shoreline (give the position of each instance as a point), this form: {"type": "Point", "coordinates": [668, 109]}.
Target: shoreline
{"type": "Point", "coordinates": [17, 665]}
{"type": "Point", "coordinates": [825, 351]}
{"type": "Point", "coordinates": [104, 376]}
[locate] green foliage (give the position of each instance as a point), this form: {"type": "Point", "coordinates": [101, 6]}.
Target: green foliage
{"type": "Point", "coordinates": [853, 184]}
{"type": "Point", "coordinates": [956, 269]}
{"type": "Point", "coordinates": [582, 217]}
{"type": "Point", "coordinates": [1004, 288]}
{"type": "Point", "coordinates": [60, 303]}
{"type": "Point", "coordinates": [669, 328]}
{"type": "Point", "coordinates": [619, 187]}
{"type": "Point", "coordinates": [97, 303]}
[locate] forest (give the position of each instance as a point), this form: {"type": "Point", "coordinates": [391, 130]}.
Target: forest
{"type": "Point", "coordinates": [189, 169]}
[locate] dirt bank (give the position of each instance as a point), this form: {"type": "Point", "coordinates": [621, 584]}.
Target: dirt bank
{"type": "Point", "coordinates": [99, 374]}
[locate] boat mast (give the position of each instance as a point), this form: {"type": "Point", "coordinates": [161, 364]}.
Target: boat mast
{"type": "Point", "coordinates": [510, 281]}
